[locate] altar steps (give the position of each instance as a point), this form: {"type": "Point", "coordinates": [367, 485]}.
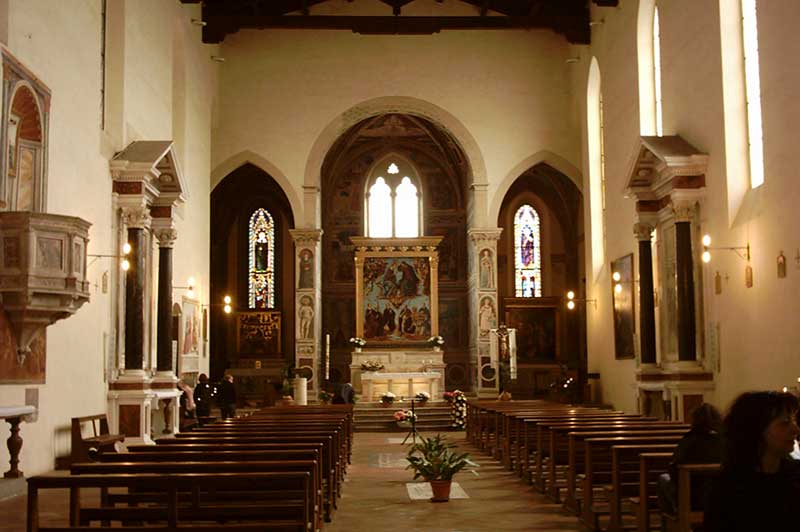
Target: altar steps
{"type": "Point", "coordinates": [372, 417]}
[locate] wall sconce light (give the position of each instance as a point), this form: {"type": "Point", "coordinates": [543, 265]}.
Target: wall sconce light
{"type": "Point", "coordinates": [571, 300]}
{"type": "Point", "coordinates": [190, 284]}
{"type": "Point", "coordinates": [218, 58]}
{"type": "Point", "coordinates": [123, 263]}
{"type": "Point", "coordinates": [198, 22]}
{"type": "Point", "coordinates": [742, 251]}
{"type": "Point", "coordinates": [227, 308]}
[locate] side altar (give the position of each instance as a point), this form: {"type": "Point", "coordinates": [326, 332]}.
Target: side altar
{"type": "Point", "coordinates": [397, 313]}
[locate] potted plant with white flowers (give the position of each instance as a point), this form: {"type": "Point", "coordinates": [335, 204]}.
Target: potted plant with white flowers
{"type": "Point", "coordinates": [387, 398]}
{"type": "Point", "coordinates": [435, 460]}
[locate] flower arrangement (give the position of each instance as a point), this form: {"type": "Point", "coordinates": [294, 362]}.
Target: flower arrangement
{"type": "Point", "coordinates": [405, 415]}
{"type": "Point", "coordinates": [458, 408]}
{"type": "Point", "coordinates": [371, 365]}
{"type": "Point", "coordinates": [387, 398]}
{"type": "Point", "coordinates": [325, 397]}
{"type": "Point", "coordinates": [358, 342]}
{"type": "Point", "coordinates": [422, 396]}
{"type": "Point", "coordinates": [436, 341]}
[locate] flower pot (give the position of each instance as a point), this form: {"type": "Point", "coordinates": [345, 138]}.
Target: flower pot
{"type": "Point", "coordinates": [441, 490]}
{"type": "Point", "coordinates": [386, 404]}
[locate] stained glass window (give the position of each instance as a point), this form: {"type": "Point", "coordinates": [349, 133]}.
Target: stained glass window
{"type": "Point", "coordinates": [380, 209]}
{"type": "Point", "coordinates": [406, 214]}
{"type": "Point", "coordinates": [262, 260]}
{"type": "Point", "coordinates": [527, 253]}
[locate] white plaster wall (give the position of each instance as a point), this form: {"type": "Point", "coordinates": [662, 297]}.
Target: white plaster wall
{"type": "Point", "coordinates": [280, 89]}
{"type": "Point", "coordinates": [66, 56]}
{"type": "Point", "coordinates": [758, 326]}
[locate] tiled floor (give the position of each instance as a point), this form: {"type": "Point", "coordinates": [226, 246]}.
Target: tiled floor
{"type": "Point", "coordinates": [375, 498]}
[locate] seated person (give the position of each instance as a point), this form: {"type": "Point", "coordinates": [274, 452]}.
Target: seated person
{"type": "Point", "coordinates": [759, 485]}
{"type": "Point", "coordinates": [701, 445]}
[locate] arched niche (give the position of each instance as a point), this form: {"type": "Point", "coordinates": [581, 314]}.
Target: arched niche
{"type": "Point", "coordinates": [233, 202]}
{"type": "Point", "coordinates": [559, 205]}
{"type": "Point", "coordinates": [442, 172]}
{"type": "Point", "coordinates": [24, 134]}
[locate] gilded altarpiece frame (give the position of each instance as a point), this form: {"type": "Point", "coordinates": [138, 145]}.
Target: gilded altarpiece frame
{"type": "Point", "coordinates": [397, 279]}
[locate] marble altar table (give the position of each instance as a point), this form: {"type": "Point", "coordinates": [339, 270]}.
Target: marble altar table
{"type": "Point", "coordinates": [406, 384]}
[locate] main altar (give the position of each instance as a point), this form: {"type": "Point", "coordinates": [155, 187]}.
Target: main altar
{"type": "Point", "coordinates": [397, 313]}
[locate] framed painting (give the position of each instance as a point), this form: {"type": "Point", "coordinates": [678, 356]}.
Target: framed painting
{"type": "Point", "coordinates": [538, 324]}
{"type": "Point", "coordinates": [397, 297]}
{"type": "Point", "coordinates": [190, 333]}
{"type": "Point", "coordinates": [622, 297]}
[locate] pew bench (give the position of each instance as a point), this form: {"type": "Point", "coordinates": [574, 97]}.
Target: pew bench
{"type": "Point", "coordinates": [687, 517]}
{"type": "Point", "coordinates": [100, 440]}
{"type": "Point", "coordinates": [284, 513]}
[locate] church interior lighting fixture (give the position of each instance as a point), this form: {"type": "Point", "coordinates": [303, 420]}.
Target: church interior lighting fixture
{"type": "Point", "coordinates": [742, 251]}
{"type": "Point", "coordinates": [198, 22]}
{"type": "Point", "coordinates": [190, 285]}
{"type": "Point", "coordinates": [572, 300]}
{"type": "Point", "coordinates": [218, 58]}
{"type": "Point", "coordinates": [123, 256]}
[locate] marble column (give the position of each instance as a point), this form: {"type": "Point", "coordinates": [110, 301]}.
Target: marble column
{"type": "Point", "coordinates": [308, 307]}
{"type": "Point", "coordinates": [684, 266]}
{"type": "Point", "coordinates": [134, 300]}
{"type": "Point", "coordinates": [166, 240]}
{"type": "Point", "coordinates": [647, 310]}
{"type": "Point", "coordinates": [482, 283]}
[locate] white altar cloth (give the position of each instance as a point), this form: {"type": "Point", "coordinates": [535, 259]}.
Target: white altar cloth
{"type": "Point", "coordinates": [402, 384]}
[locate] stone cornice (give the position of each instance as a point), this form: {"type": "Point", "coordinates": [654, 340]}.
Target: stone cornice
{"type": "Point", "coordinates": [306, 237]}
{"type": "Point", "coordinates": [489, 234]}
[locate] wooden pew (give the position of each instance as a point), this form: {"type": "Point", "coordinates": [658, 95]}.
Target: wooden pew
{"type": "Point", "coordinates": [308, 497]}
{"type": "Point", "coordinates": [597, 452]}
{"type": "Point", "coordinates": [101, 439]}
{"type": "Point", "coordinates": [281, 516]}
{"type": "Point", "coordinates": [634, 475]}
{"type": "Point", "coordinates": [687, 516]}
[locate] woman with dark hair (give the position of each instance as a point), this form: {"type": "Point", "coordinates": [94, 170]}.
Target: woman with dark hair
{"type": "Point", "coordinates": [759, 485]}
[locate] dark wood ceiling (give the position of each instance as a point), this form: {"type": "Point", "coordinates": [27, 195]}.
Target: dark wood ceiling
{"type": "Point", "coordinates": [569, 18]}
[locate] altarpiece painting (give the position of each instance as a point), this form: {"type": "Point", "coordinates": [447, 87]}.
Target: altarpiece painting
{"type": "Point", "coordinates": [622, 294]}
{"type": "Point", "coordinates": [537, 321]}
{"type": "Point", "coordinates": [397, 298]}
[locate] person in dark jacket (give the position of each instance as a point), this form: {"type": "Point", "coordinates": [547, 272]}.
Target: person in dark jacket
{"type": "Point", "coordinates": [203, 393]}
{"type": "Point", "coordinates": [227, 397]}
{"type": "Point", "coordinates": [701, 445]}
{"type": "Point", "coordinates": [758, 487]}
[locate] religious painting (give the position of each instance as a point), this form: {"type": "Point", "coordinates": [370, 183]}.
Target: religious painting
{"type": "Point", "coordinates": [258, 334]}
{"type": "Point", "coordinates": [451, 322]}
{"type": "Point", "coordinates": [32, 370]}
{"type": "Point", "coordinates": [487, 315]}
{"type": "Point", "coordinates": [537, 326]}
{"type": "Point", "coordinates": [486, 270]}
{"type": "Point", "coordinates": [449, 252]}
{"type": "Point", "coordinates": [396, 299]}
{"type": "Point", "coordinates": [305, 277]}
{"type": "Point", "coordinates": [190, 332]}
{"type": "Point", "coordinates": [342, 255]}
{"type": "Point", "coordinates": [305, 318]}
{"type": "Point", "coordinates": [622, 294]}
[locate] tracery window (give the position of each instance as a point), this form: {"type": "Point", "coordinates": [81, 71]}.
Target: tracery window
{"type": "Point", "coordinates": [527, 252]}
{"type": "Point", "coordinates": [393, 201]}
{"type": "Point", "coordinates": [261, 278]}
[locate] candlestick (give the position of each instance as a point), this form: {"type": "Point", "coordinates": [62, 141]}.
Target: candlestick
{"type": "Point", "coordinates": [327, 357]}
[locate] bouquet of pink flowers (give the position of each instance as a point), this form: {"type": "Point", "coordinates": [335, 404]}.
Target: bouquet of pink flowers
{"type": "Point", "coordinates": [405, 415]}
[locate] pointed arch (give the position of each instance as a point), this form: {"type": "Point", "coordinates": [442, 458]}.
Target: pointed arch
{"type": "Point", "coordinates": [244, 157]}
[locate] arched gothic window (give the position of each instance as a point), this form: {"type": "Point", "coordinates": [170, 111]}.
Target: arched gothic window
{"type": "Point", "coordinates": [594, 123]}
{"type": "Point", "coordinates": [393, 200]}
{"type": "Point", "coordinates": [527, 252]}
{"type": "Point", "coordinates": [261, 282]}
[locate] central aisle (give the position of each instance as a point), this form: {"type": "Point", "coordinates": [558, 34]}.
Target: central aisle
{"type": "Point", "coordinates": [375, 498]}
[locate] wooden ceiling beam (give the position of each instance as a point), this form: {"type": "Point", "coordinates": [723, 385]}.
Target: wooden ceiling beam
{"type": "Point", "coordinates": [221, 25]}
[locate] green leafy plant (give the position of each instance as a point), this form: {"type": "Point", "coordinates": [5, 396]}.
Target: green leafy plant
{"type": "Point", "coordinates": [287, 389]}
{"type": "Point", "coordinates": [435, 459]}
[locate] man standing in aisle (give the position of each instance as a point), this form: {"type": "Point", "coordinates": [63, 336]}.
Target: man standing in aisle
{"type": "Point", "coordinates": [227, 397]}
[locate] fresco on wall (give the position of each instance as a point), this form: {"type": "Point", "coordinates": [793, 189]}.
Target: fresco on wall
{"type": "Point", "coordinates": [33, 369]}
{"type": "Point", "coordinates": [397, 301]}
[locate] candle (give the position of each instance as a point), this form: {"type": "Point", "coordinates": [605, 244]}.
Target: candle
{"type": "Point", "coordinates": [327, 357]}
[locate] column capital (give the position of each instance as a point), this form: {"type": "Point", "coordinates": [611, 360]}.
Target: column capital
{"type": "Point", "coordinates": [306, 237]}
{"type": "Point", "coordinates": [683, 211]}
{"type": "Point", "coordinates": [643, 231]}
{"type": "Point", "coordinates": [166, 236]}
{"type": "Point", "coordinates": [485, 235]}
{"type": "Point", "coordinates": [136, 217]}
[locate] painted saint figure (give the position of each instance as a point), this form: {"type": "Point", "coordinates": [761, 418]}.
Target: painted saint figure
{"type": "Point", "coordinates": [306, 318]}
{"type": "Point", "coordinates": [306, 279]}
{"type": "Point", "coordinates": [486, 316]}
{"type": "Point", "coordinates": [486, 269]}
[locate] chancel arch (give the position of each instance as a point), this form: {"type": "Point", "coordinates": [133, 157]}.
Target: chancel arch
{"type": "Point", "coordinates": [437, 168]}
{"type": "Point", "coordinates": [545, 201]}
{"type": "Point", "coordinates": [252, 260]}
